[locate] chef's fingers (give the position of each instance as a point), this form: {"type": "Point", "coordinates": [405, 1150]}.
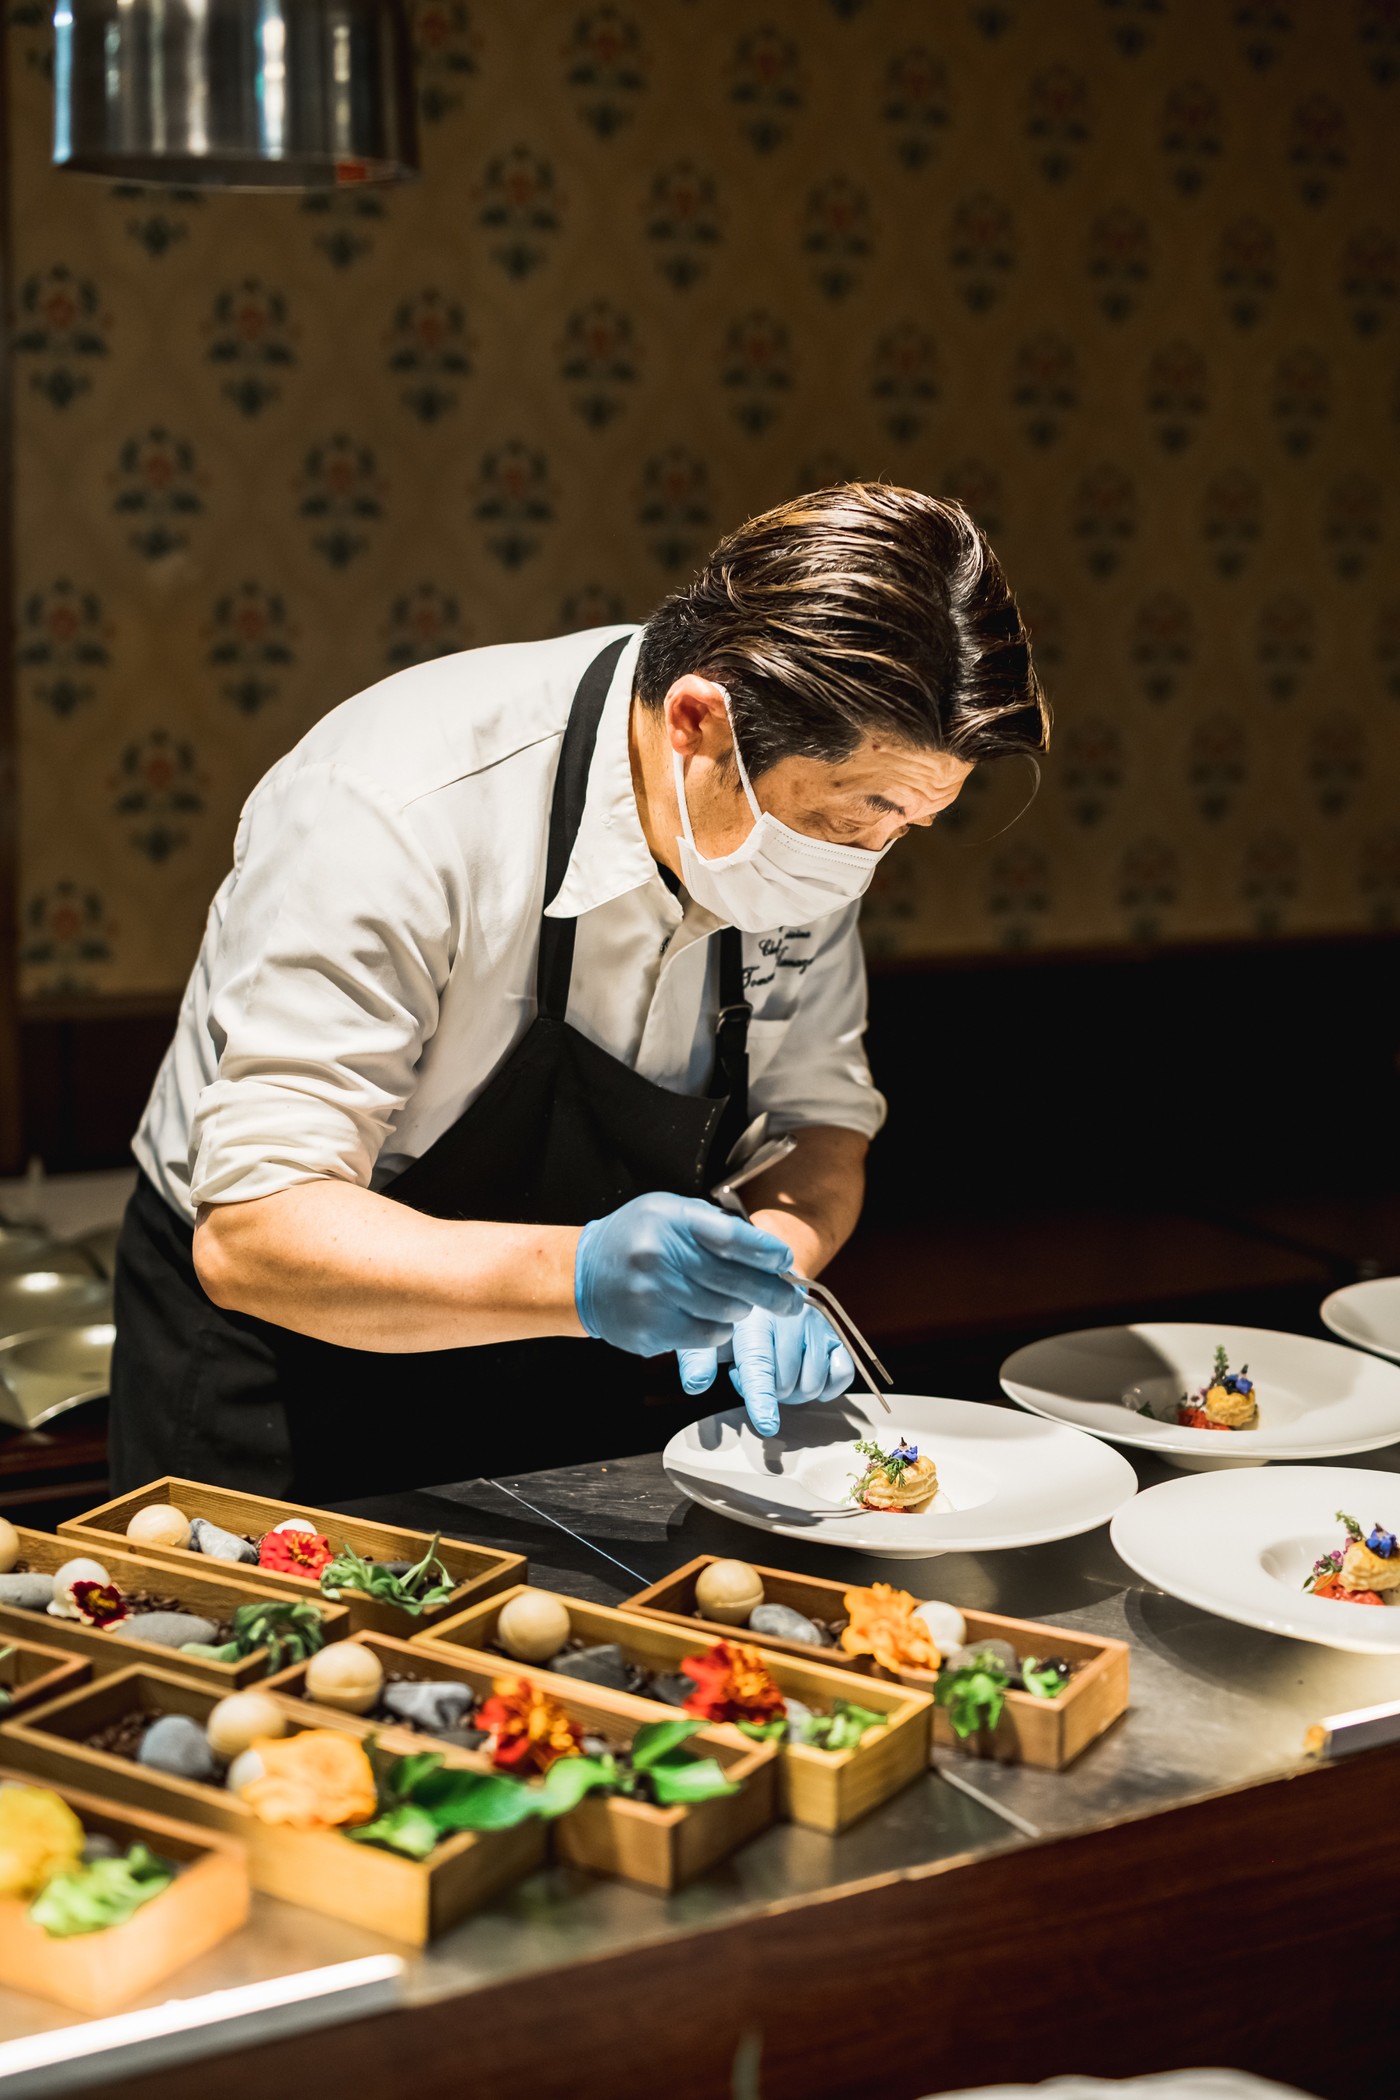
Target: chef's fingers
{"type": "Point", "coordinates": [840, 1373]}
{"type": "Point", "coordinates": [699, 1368]}
{"type": "Point", "coordinates": [735, 1239]}
{"type": "Point", "coordinates": [821, 1341]}
{"type": "Point", "coordinates": [755, 1373]}
{"type": "Point", "coordinates": [710, 1281]}
{"type": "Point", "coordinates": [788, 1341]}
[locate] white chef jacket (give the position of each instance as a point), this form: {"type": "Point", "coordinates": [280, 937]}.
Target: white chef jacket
{"type": "Point", "coordinates": [369, 962]}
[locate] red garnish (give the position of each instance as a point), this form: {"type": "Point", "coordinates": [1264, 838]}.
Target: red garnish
{"type": "Point", "coordinates": [101, 1603]}
{"type": "Point", "coordinates": [1331, 1586]}
{"type": "Point", "coordinates": [532, 1730]}
{"type": "Point", "coordinates": [731, 1684]}
{"type": "Point", "coordinates": [1197, 1418]}
{"type": "Point", "coordinates": [295, 1553]}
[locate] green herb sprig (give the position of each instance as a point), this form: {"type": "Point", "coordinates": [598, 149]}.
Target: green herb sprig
{"type": "Point", "coordinates": [414, 1592]}
{"type": "Point", "coordinates": [291, 1633]}
{"type": "Point", "coordinates": [99, 1892]}
{"type": "Point", "coordinates": [841, 1729]}
{"type": "Point", "coordinates": [421, 1801]}
{"type": "Point", "coordinates": [974, 1694]}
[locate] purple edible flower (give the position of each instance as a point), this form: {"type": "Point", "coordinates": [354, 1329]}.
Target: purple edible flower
{"type": "Point", "coordinates": [1381, 1542]}
{"type": "Point", "coordinates": [907, 1452]}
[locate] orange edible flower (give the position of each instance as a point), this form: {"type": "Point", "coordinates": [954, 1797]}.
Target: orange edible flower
{"type": "Point", "coordinates": [731, 1684]}
{"type": "Point", "coordinates": [881, 1623]}
{"type": "Point", "coordinates": [317, 1780]}
{"type": "Point", "coordinates": [532, 1730]}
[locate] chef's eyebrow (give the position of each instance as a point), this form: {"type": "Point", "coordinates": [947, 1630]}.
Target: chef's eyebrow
{"type": "Point", "coordinates": [884, 805]}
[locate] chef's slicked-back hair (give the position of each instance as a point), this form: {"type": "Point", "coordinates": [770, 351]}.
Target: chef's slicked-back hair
{"type": "Point", "coordinates": [860, 610]}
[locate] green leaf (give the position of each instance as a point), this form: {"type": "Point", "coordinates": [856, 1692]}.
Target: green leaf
{"type": "Point", "coordinates": [842, 1728]}
{"type": "Point", "coordinates": [405, 1829]}
{"type": "Point", "coordinates": [349, 1570]}
{"type": "Point", "coordinates": [99, 1893]}
{"type": "Point", "coordinates": [657, 1741]}
{"type": "Point", "coordinates": [1046, 1684]}
{"type": "Point", "coordinates": [484, 1801]}
{"type": "Point", "coordinates": [767, 1731]}
{"type": "Point", "coordinates": [227, 1652]}
{"type": "Point", "coordinates": [406, 1777]}
{"type": "Point", "coordinates": [974, 1696]}
{"type": "Point", "coordinates": [700, 1779]}
{"type": "Point", "coordinates": [569, 1779]}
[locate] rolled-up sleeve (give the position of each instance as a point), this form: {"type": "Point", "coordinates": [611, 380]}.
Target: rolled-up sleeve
{"type": "Point", "coordinates": [339, 936]}
{"type": "Point", "coordinates": [818, 1073]}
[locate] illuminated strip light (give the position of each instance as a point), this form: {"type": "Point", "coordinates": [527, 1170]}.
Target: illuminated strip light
{"type": "Point", "coordinates": [41, 2065]}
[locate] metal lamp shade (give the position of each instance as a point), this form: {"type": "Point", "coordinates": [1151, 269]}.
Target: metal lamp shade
{"type": "Point", "coordinates": [237, 94]}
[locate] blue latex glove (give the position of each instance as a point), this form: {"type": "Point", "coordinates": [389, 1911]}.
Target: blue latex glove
{"type": "Point", "coordinates": [790, 1357]}
{"type": "Point", "coordinates": [672, 1272]}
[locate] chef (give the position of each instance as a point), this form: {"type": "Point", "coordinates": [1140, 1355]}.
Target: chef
{"type": "Point", "coordinates": [516, 946]}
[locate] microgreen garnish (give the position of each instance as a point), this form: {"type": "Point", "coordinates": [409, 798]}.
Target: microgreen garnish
{"type": "Point", "coordinates": [425, 1585]}
{"type": "Point", "coordinates": [974, 1694]}
{"type": "Point", "coordinates": [289, 1632]}
{"type": "Point", "coordinates": [893, 1464]}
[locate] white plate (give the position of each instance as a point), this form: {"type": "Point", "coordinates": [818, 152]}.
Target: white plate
{"type": "Point", "coordinates": [1367, 1314]}
{"type": "Point", "coordinates": [1242, 1544]}
{"type": "Point", "coordinates": [1316, 1400]}
{"type": "Point", "coordinates": [1003, 1480]}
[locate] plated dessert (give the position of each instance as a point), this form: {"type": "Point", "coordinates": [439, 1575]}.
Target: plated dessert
{"type": "Point", "coordinates": [1364, 1569]}
{"type": "Point", "coordinates": [1226, 1401]}
{"type": "Point", "coordinates": [899, 1480]}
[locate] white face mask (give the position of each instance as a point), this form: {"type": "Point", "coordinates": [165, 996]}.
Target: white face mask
{"type": "Point", "coordinates": [777, 877]}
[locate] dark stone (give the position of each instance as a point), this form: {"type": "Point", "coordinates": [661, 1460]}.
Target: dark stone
{"type": "Point", "coordinates": [177, 1744]}
{"type": "Point", "coordinates": [27, 1592]}
{"type": "Point", "coordinates": [782, 1623]}
{"type": "Point", "coordinates": [431, 1705]}
{"type": "Point", "coordinates": [670, 1687]}
{"type": "Point", "coordinates": [167, 1629]}
{"type": "Point", "coordinates": [601, 1665]}
{"type": "Point", "coordinates": [218, 1544]}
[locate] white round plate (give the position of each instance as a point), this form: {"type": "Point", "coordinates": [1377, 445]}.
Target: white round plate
{"type": "Point", "coordinates": [1004, 1480]}
{"type": "Point", "coordinates": [1241, 1545]}
{"type": "Point", "coordinates": [1367, 1315]}
{"type": "Point", "coordinates": [1316, 1400]}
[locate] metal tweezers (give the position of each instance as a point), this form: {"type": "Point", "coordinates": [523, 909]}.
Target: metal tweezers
{"type": "Point", "coordinates": [726, 1195]}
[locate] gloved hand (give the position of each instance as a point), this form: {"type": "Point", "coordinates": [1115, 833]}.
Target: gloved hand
{"type": "Point", "coordinates": [787, 1357]}
{"type": "Point", "coordinates": [672, 1272]}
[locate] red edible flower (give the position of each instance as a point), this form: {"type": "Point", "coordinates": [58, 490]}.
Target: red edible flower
{"type": "Point", "coordinates": [101, 1603]}
{"type": "Point", "coordinates": [532, 1730]}
{"type": "Point", "coordinates": [731, 1684]}
{"type": "Point", "coordinates": [295, 1553]}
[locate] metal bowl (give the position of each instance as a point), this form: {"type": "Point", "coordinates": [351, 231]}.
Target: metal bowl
{"type": "Point", "coordinates": [50, 1369]}
{"type": "Point", "coordinates": [31, 1247]}
{"type": "Point", "coordinates": [52, 1297]}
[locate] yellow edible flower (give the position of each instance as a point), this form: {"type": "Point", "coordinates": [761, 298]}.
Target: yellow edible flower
{"type": "Point", "coordinates": [39, 1837]}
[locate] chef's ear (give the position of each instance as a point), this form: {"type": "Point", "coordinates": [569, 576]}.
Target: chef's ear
{"type": "Point", "coordinates": [697, 718]}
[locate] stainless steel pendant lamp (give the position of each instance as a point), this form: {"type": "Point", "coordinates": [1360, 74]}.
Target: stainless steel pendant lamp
{"type": "Point", "coordinates": [235, 94]}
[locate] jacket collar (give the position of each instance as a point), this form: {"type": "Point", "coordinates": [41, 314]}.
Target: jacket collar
{"type": "Point", "coordinates": [610, 855]}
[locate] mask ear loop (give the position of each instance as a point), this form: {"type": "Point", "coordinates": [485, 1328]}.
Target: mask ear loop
{"type": "Point", "coordinates": [965, 845]}
{"type": "Point", "coordinates": [745, 782]}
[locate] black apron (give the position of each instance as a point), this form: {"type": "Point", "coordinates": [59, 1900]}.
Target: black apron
{"type": "Point", "coordinates": [562, 1133]}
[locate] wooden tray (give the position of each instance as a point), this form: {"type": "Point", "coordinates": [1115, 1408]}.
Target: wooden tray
{"type": "Point", "coordinates": [478, 1571]}
{"type": "Point", "coordinates": [659, 1847]}
{"type": "Point", "coordinates": [215, 1596]}
{"type": "Point", "coordinates": [320, 1869]}
{"type": "Point", "coordinates": [826, 1790]}
{"type": "Point", "coordinates": [94, 1972]}
{"type": "Point", "coordinates": [32, 1672]}
{"type": "Point", "coordinates": [1050, 1733]}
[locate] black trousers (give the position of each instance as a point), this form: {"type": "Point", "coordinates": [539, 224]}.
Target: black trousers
{"type": "Point", "coordinates": [223, 1397]}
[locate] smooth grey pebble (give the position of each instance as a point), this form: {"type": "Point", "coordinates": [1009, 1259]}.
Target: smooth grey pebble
{"type": "Point", "coordinates": [601, 1665]}
{"type": "Point", "coordinates": [166, 1629]}
{"type": "Point", "coordinates": [178, 1745]}
{"type": "Point", "coordinates": [97, 1845]}
{"type": "Point", "coordinates": [797, 1713]}
{"type": "Point", "coordinates": [431, 1705]}
{"type": "Point", "coordinates": [784, 1624]}
{"type": "Point", "coordinates": [1002, 1650]}
{"type": "Point", "coordinates": [670, 1687]}
{"type": "Point", "coordinates": [27, 1592]}
{"type": "Point", "coordinates": [218, 1544]}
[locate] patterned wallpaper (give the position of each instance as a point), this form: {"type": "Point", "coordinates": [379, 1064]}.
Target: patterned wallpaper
{"type": "Point", "coordinates": [1121, 274]}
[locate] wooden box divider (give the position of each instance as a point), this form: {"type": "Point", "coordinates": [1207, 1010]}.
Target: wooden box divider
{"type": "Point", "coordinates": [31, 1672]}
{"type": "Point", "coordinates": [477, 1571]}
{"type": "Point", "coordinates": [320, 1869]}
{"type": "Point", "coordinates": [823, 1789]}
{"type": "Point", "coordinates": [95, 1972]}
{"type": "Point", "coordinates": [1049, 1733]}
{"type": "Point", "coordinates": [660, 1848]}
{"type": "Point", "coordinates": [215, 1594]}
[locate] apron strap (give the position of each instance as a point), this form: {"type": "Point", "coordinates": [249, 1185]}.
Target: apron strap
{"type": "Point", "coordinates": [731, 1073]}
{"type": "Point", "coordinates": [556, 957]}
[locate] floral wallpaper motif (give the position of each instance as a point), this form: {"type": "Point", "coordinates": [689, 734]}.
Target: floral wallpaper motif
{"type": "Point", "coordinates": [1121, 275]}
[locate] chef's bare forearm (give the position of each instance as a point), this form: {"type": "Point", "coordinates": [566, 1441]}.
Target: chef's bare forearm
{"type": "Point", "coordinates": [812, 1198]}
{"type": "Point", "coordinates": [330, 1259]}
